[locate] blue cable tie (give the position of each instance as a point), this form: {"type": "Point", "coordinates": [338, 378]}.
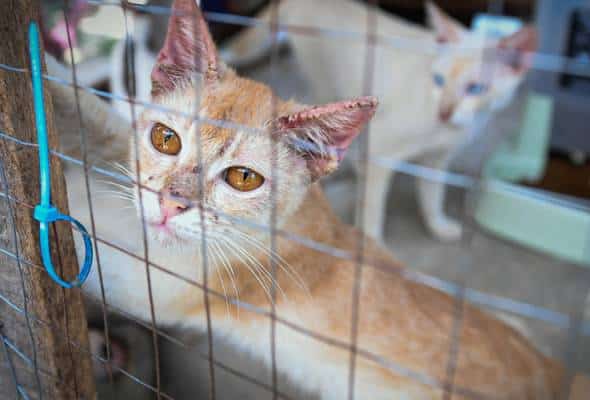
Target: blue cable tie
{"type": "Point", "coordinates": [45, 212]}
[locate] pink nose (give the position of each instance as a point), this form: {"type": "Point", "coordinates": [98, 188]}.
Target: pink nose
{"type": "Point", "coordinates": [445, 114]}
{"type": "Point", "coordinates": [171, 207]}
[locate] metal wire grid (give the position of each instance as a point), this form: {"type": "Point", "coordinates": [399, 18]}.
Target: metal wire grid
{"type": "Point", "coordinates": [461, 293]}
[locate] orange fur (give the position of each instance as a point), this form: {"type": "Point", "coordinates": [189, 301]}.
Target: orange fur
{"type": "Point", "coordinates": [399, 320]}
{"type": "Point", "coordinates": [402, 321]}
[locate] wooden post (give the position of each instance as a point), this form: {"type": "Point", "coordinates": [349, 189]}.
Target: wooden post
{"type": "Point", "coordinates": [55, 329]}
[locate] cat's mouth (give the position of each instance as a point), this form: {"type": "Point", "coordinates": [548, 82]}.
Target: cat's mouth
{"type": "Point", "coordinates": [163, 231]}
{"type": "Point", "coordinates": [162, 227]}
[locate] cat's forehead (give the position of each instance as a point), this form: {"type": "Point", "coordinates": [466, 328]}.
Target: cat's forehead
{"type": "Point", "coordinates": [458, 67]}
{"type": "Point", "coordinates": [239, 100]}
{"type": "Point", "coordinates": [465, 56]}
{"type": "Point", "coordinates": [230, 105]}
{"type": "Point", "coordinates": [227, 119]}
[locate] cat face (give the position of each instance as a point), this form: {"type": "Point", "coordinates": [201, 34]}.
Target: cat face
{"type": "Point", "coordinates": [467, 77]}
{"type": "Point", "coordinates": [215, 171]}
{"type": "Point", "coordinates": [233, 166]}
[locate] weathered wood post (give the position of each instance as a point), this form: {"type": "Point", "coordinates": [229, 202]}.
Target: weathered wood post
{"type": "Point", "coordinates": [52, 339]}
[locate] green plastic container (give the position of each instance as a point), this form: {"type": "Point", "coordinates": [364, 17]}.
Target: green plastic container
{"type": "Point", "coordinates": [546, 222]}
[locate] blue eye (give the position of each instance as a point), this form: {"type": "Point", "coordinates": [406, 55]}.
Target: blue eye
{"type": "Point", "coordinates": [475, 88]}
{"type": "Point", "coordinates": [439, 80]}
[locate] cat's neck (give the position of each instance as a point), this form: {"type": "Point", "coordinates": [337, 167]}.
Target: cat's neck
{"type": "Point", "coordinates": [315, 249]}
{"type": "Point", "coordinates": [314, 219]}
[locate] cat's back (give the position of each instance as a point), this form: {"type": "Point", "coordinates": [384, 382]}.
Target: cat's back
{"type": "Point", "coordinates": [412, 327]}
{"type": "Point", "coordinates": [416, 325]}
{"type": "Point", "coordinates": [345, 17]}
{"type": "Point", "coordinates": [333, 53]}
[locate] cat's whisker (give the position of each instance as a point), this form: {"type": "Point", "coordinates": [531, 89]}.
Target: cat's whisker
{"type": "Point", "coordinates": [264, 271]}
{"type": "Point", "coordinates": [121, 168]}
{"type": "Point", "coordinates": [115, 194]}
{"type": "Point", "coordinates": [211, 250]}
{"type": "Point", "coordinates": [281, 262]}
{"type": "Point", "coordinates": [228, 267]}
{"type": "Point", "coordinates": [125, 188]}
{"type": "Point", "coordinates": [245, 258]}
{"type": "Point", "coordinates": [112, 191]}
{"type": "Point", "coordinates": [240, 256]}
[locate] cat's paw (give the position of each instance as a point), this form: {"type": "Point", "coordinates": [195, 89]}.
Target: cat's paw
{"type": "Point", "coordinates": [445, 229]}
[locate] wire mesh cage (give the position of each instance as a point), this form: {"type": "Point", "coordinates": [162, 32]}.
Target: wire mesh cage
{"type": "Point", "coordinates": [222, 270]}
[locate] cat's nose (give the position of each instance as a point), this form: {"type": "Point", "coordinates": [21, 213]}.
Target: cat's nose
{"type": "Point", "coordinates": [444, 114]}
{"type": "Point", "coordinates": [171, 205]}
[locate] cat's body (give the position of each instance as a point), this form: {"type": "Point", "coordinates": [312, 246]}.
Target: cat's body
{"type": "Point", "coordinates": [416, 118]}
{"type": "Point", "coordinates": [405, 323]}
{"type": "Point", "coordinates": [408, 325]}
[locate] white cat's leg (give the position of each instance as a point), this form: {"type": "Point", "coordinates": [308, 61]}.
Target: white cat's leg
{"type": "Point", "coordinates": [376, 189]}
{"type": "Point", "coordinates": [431, 197]}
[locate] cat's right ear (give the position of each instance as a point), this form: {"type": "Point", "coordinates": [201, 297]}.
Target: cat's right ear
{"type": "Point", "coordinates": [519, 48]}
{"type": "Point", "coordinates": [446, 28]}
{"type": "Point", "coordinates": [188, 49]}
{"type": "Point", "coordinates": [322, 134]}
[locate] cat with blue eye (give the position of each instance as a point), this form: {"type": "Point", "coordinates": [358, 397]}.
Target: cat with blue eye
{"type": "Point", "coordinates": [472, 88]}
{"type": "Point", "coordinates": [428, 117]}
{"type": "Point", "coordinates": [475, 89]}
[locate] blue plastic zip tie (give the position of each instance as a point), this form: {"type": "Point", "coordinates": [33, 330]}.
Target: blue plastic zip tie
{"type": "Point", "coordinates": [45, 212]}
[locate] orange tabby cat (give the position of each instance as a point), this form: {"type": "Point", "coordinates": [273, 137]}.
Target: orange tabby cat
{"type": "Point", "coordinates": [407, 324]}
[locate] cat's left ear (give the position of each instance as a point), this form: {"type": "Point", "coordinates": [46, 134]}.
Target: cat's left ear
{"type": "Point", "coordinates": [322, 134]}
{"type": "Point", "coordinates": [446, 28]}
{"type": "Point", "coordinates": [518, 48]}
{"type": "Point", "coordinates": [188, 49]}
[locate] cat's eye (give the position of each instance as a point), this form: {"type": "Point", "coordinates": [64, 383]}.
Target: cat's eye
{"type": "Point", "coordinates": [474, 88]}
{"type": "Point", "coordinates": [243, 179]}
{"type": "Point", "coordinates": [165, 140]}
{"type": "Point", "coordinates": [439, 80]}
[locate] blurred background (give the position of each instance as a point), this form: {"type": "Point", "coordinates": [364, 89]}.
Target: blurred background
{"type": "Point", "coordinates": [525, 244]}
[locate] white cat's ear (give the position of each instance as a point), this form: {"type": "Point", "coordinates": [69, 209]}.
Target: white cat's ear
{"type": "Point", "coordinates": [518, 49]}
{"type": "Point", "coordinates": [322, 134]}
{"type": "Point", "coordinates": [188, 49]}
{"type": "Point", "coordinates": [446, 28]}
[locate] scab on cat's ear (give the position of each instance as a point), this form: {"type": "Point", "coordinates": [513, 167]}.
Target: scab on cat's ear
{"type": "Point", "coordinates": [322, 134]}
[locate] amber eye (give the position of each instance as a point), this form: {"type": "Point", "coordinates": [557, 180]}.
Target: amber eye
{"type": "Point", "coordinates": [243, 179]}
{"type": "Point", "coordinates": [165, 140]}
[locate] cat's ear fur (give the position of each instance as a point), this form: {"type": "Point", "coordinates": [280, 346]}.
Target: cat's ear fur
{"type": "Point", "coordinates": [188, 49]}
{"type": "Point", "coordinates": [518, 48]}
{"type": "Point", "coordinates": [322, 134]}
{"type": "Point", "coordinates": [445, 27]}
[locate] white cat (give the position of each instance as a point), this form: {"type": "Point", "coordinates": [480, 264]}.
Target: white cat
{"type": "Point", "coordinates": [430, 100]}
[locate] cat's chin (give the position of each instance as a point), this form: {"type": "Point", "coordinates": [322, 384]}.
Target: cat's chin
{"type": "Point", "coordinates": [461, 121]}
{"type": "Point", "coordinates": [164, 235]}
